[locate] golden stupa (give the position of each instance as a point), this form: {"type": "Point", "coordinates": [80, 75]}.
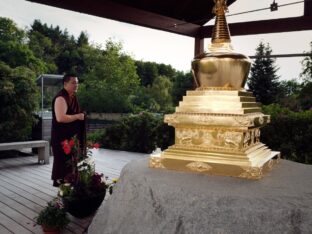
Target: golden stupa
{"type": "Point", "coordinates": [217, 126]}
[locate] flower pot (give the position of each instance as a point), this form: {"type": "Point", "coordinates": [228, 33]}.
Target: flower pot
{"type": "Point", "coordinates": [85, 206]}
{"type": "Point", "coordinates": [50, 230]}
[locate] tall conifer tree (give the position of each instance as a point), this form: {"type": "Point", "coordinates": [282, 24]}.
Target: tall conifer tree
{"type": "Point", "coordinates": [263, 80]}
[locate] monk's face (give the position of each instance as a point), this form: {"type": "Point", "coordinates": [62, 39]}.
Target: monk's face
{"type": "Point", "coordinates": [72, 85]}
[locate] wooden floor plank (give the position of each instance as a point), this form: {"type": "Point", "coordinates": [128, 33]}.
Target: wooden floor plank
{"type": "Point", "coordinates": [20, 199]}
{"type": "Point", "coordinates": [27, 178]}
{"type": "Point", "coordinates": [11, 225]}
{"type": "Point", "coordinates": [17, 191]}
{"type": "Point", "coordinates": [19, 186]}
{"type": "Point", "coordinates": [19, 218]}
{"type": "Point", "coordinates": [26, 187]}
{"type": "Point", "coordinates": [3, 230]}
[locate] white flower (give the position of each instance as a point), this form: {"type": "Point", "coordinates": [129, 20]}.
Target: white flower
{"type": "Point", "coordinates": [83, 168]}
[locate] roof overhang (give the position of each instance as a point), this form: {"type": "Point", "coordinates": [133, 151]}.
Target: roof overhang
{"type": "Point", "coordinates": [183, 17]}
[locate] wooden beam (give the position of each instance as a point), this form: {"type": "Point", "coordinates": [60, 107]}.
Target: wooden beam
{"type": "Point", "coordinates": [264, 26]}
{"type": "Point", "coordinates": [281, 55]}
{"type": "Point", "coordinates": [307, 7]}
{"type": "Point", "coordinates": [115, 11]}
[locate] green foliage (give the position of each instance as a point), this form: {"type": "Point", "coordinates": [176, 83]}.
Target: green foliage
{"type": "Point", "coordinates": [306, 74]}
{"type": "Point", "coordinates": [147, 71]}
{"type": "Point", "coordinates": [160, 91]}
{"type": "Point", "coordinates": [290, 133]}
{"type": "Point", "coordinates": [150, 71]}
{"type": "Point", "coordinates": [139, 133]}
{"type": "Point", "coordinates": [288, 95]}
{"type": "Point", "coordinates": [305, 97]}
{"type": "Point", "coordinates": [182, 83]}
{"type": "Point", "coordinates": [60, 52]}
{"type": "Point", "coordinates": [13, 49]}
{"type": "Point", "coordinates": [263, 81]}
{"type": "Point", "coordinates": [53, 216]}
{"type": "Point", "coordinates": [111, 82]}
{"type": "Point", "coordinates": [10, 32]}
{"type": "Point", "coordinates": [18, 95]}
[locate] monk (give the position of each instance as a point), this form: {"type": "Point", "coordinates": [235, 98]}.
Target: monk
{"type": "Point", "coordinates": [67, 121]}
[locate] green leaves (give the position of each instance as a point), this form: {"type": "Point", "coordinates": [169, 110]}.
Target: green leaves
{"type": "Point", "coordinates": [18, 95]}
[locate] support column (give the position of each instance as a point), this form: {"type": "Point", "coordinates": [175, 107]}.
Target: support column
{"type": "Point", "coordinates": [199, 46]}
{"type": "Point", "coordinates": [307, 7]}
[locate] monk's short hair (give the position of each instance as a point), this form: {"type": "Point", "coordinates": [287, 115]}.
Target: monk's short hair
{"type": "Point", "coordinates": [67, 77]}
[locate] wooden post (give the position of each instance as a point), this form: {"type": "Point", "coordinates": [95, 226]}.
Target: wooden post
{"type": "Point", "coordinates": [199, 46]}
{"type": "Point", "coordinates": [307, 7]}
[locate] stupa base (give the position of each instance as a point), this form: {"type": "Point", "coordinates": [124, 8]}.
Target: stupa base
{"type": "Point", "coordinates": [248, 166]}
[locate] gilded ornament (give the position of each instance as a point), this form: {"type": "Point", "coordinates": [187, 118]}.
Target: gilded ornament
{"type": "Point", "coordinates": [155, 162]}
{"type": "Point", "coordinates": [252, 173]}
{"type": "Point", "coordinates": [244, 121]}
{"type": "Point", "coordinates": [199, 166]}
{"type": "Point", "coordinates": [260, 120]}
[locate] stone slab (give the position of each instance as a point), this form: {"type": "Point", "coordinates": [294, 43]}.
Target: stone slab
{"type": "Point", "coordinates": [149, 200]}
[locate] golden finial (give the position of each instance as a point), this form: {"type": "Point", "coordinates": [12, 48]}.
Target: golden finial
{"type": "Point", "coordinates": [221, 33]}
{"type": "Point", "coordinates": [220, 7]}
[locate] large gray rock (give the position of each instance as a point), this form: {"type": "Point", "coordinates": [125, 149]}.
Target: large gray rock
{"type": "Point", "coordinates": [159, 201]}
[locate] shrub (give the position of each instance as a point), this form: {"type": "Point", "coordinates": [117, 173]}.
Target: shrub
{"type": "Point", "coordinates": [139, 133]}
{"type": "Point", "coordinates": [290, 133]}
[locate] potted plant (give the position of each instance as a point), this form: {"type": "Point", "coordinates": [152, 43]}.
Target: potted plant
{"type": "Point", "coordinates": [83, 189]}
{"type": "Point", "coordinates": [53, 218]}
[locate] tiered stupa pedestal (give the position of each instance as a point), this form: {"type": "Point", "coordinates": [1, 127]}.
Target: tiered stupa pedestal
{"type": "Point", "coordinates": [217, 126]}
{"type": "Point", "coordinates": [217, 131]}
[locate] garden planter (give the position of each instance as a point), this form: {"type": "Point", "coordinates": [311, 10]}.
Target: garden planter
{"type": "Point", "coordinates": [50, 230]}
{"type": "Point", "coordinates": [83, 207]}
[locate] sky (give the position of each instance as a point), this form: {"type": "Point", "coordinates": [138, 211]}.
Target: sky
{"type": "Point", "coordinates": [163, 47]}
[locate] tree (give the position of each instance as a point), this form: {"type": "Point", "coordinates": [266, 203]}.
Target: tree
{"type": "Point", "coordinates": [13, 48]}
{"type": "Point", "coordinates": [18, 97]}
{"type": "Point", "coordinates": [305, 97]}
{"type": "Point", "coordinates": [111, 81]}
{"type": "Point", "coordinates": [147, 71]}
{"type": "Point", "coordinates": [289, 91]}
{"type": "Point", "coordinates": [306, 74]}
{"type": "Point", "coordinates": [160, 91]}
{"type": "Point", "coordinates": [263, 81]}
{"type": "Point", "coordinates": [10, 32]}
{"type": "Point", "coordinates": [61, 52]}
{"type": "Point", "coordinates": [182, 83]}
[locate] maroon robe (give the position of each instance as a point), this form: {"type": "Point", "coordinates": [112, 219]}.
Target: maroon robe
{"type": "Point", "coordinates": [63, 131]}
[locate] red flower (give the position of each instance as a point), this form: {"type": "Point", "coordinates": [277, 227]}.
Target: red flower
{"type": "Point", "coordinates": [71, 142]}
{"type": "Point", "coordinates": [65, 142]}
{"type": "Point", "coordinates": [96, 145]}
{"type": "Point", "coordinates": [66, 147]}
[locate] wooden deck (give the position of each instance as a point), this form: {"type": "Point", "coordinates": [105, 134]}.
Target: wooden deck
{"type": "Point", "coordinates": [25, 188]}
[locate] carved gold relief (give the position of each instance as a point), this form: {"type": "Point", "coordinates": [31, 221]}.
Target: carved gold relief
{"type": "Point", "coordinates": [208, 138]}
{"type": "Point", "coordinates": [199, 166]}
{"type": "Point", "coordinates": [205, 119]}
{"type": "Point", "coordinates": [244, 121]}
{"type": "Point", "coordinates": [252, 173]}
{"type": "Point", "coordinates": [155, 162]}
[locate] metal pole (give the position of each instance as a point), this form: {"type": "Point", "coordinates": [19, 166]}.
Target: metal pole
{"type": "Point", "coordinates": [42, 125]}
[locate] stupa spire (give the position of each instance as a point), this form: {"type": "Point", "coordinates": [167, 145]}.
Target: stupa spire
{"type": "Point", "coordinates": [221, 37]}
